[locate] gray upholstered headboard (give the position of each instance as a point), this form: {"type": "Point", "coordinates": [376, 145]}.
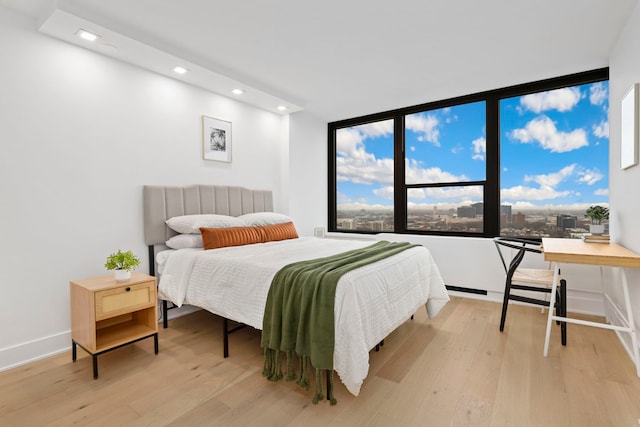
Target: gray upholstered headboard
{"type": "Point", "coordinates": [162, 203]}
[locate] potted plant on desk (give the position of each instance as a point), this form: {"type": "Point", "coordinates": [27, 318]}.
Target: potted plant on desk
{"type": "Point", "coordinates": [597, 214]}
{"type": "Point", "coordinates": [122, 263]}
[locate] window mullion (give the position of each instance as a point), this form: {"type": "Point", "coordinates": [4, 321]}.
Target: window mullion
{"type": "Point", "coordinates": [399, 188]}
{"type": "Point", "coordinates": [492, 186]}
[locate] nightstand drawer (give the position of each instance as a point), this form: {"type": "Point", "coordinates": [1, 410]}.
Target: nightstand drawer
{"type": "Point", "coordinates": [124, 299]}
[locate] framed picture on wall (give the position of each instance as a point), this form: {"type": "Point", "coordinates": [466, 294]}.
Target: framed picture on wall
{"type": "Point", "coordinates": [629, 127]}
{"type": "Point", "coordinates": [216, 139]}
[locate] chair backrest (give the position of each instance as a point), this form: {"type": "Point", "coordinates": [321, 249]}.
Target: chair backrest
{"type": "Point", "coordinates": [522, 246]}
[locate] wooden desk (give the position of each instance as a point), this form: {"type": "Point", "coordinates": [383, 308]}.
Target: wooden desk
{"type": "Point", "coordinates": [576, 251]}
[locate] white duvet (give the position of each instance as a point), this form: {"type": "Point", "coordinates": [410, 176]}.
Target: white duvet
{"type": "Point", "coordinates": [371, 301]}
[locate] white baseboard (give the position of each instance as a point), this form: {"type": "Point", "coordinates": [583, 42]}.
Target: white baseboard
{"type": "Point", "coordinates": [578, 301]}
{"type": "Point", "coordinates": [21, 354]}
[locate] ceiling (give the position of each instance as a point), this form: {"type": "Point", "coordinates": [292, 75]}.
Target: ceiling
{"type": "Point", "coordinates": [338, 59]}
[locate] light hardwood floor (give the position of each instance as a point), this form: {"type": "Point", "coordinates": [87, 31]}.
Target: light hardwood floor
{"type": "Point", "coordinates": [455, 370]}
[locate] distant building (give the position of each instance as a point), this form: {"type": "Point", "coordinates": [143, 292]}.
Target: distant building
{"type": "Point", "coordinates": [566, 221]}
{"type": "Point", "coordinates": [506, 210]}
{"type": "Point", "coordinates": [466, 212]}
{"type": "Point", "coordinates": [377, 225]}
{"type": "Point", "coordinates": [479, 208]}
{"type": "Point", "coordinates": [519, 218]}
{"type": "Point", "coordinates": [346, 224]}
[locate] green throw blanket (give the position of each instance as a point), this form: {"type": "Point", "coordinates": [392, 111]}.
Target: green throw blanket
{"type": "Point", "coordinates": [299, 318]}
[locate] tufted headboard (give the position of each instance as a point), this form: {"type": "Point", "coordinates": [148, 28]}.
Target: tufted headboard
{"type": "Point", "coordinates": [162, 203]}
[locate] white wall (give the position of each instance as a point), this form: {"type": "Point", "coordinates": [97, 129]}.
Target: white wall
{"type": "Point", "coordinates": [624, 185]}
{"type": "Point", "coordinates": [81, 134]}
{"type": "Point", "coordinates": [308, 169]}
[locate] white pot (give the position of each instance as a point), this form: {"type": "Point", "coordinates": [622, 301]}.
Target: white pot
{"type": "Point", "coordinates": [122, 275]}
{"type": "Point", "coordinates": [596, 229]}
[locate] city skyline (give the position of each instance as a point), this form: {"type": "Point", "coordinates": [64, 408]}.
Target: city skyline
{"type": "Point", "coordinates": [554, 154]}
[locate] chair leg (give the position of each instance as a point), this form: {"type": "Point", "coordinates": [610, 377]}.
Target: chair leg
{"type": "Point", "coordinates": [563, 308]}
{"type": "Point", "coordinates": [558, 305]}
{"type": "Point", "coordinates": [505, 304]}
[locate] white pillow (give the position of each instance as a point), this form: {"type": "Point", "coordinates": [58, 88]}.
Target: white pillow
{"type": "Point", "coordinates": [264, 218]}
{"type": "Point", "coordinates": [183, 241]}
{"type": "Point", "coordinates": [190, 224]}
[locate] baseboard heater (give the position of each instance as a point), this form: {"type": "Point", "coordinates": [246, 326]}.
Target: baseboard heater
{"type": "Point", "coordinates": [467, 290]}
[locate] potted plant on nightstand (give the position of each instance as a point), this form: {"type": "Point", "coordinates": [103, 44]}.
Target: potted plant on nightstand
{"type": "Point", "coordinates": [122, 263]}
{"type": "Point", "coordinates": [597, 214]}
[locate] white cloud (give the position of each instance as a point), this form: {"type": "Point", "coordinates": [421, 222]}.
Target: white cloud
{"type": "Point", "coordinates": [560, 99]}
{"type": "Point", "coordinates": [416, 174]}
{"type": "Point", "coordinates": [376, 129]}
{"type": "Point", "coordinates": [467, 193]}
{"type": "Point", "coordinates": [479, 148]}
{"type": "Point", "coordinates": [601, 192]}
{"type": "Point", "coordinates": [543, 130]}
{"type": "Point", "coordinates": [364, 169]}
{"type": "Point", "coordinates": [348, 140]}
{"type": "Point", "coordinates": [520, 192]}
{"type": "Point", "coordinates": [546, 189]}
{"type": "Point", "coordinates": [524, 206]}
{"type": "Point", "coordinates": [384, 192]}
{"type": "Point", "coordinates": [601, 130]}
{"type": "Point", "coordinates": [598, 93]}
{"type": "Point", "coordinates": [342, 198]}
{"type": "Point", "coordinates": [551, 179]}
{"type": "Point", "coordinates": [354, 163]}
{"type": "Point", "coordinates": [589, 176]}
{"type": "Point", "coordinates": [426, 125]}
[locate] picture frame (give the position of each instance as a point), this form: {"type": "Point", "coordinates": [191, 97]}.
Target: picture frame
{"type": "Point", "coordinates": [216, 139]}
{"type": "Point", "coordinates": [629, 129]}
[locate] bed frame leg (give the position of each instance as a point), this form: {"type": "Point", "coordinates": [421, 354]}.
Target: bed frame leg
{"type": "Point", "coordinates": [328, 386]}
{"type": "Point", "coordinates": [225, 337]}
{"type": "Point", "coordinates": [165, 313]}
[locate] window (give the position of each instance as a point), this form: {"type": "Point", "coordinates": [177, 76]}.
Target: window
{"type": "Point", "coordinates": [445, 168]}
{"type": "Point", "coordinates": [554, 151]}
{"type": "Point", "coordinates": [364, 177]}
{"type": "Point", "coordinates": [525, 160]}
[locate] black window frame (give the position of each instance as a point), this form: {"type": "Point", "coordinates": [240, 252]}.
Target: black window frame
{"type": "Point", "coordinates": [491, 217]}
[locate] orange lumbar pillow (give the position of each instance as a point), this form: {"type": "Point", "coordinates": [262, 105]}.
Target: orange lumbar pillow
{"type": "Point", "coordinates": [279, 232]}
{"type": "Point", "coordinates": [214, 238]}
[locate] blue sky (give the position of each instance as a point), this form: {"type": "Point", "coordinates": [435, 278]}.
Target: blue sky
{"type": "Point", "coordinates": [554, 153]}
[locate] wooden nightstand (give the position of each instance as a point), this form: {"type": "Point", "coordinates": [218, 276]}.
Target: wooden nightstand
{"type": "Point", "coordinates": [106, 314]}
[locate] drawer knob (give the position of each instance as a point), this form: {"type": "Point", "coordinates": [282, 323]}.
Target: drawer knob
{"type": "Point", "coordinates": [127, 289]}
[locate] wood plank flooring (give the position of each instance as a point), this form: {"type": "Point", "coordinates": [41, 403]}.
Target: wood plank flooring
{"type": "Point", "coordinates": [454, 370]}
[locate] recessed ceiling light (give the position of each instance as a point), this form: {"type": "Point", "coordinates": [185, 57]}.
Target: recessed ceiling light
{"type": "Point", "coordinates": [238, 91]}
{"type": "Point", "coordinates": [87, 35]}
{"type": "Point", "coordinates": [180, 70]}
{"type": "Point", "coordinates": [282, 108]}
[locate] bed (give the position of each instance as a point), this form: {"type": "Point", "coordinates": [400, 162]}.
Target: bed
{"type": "Point", "coordinates": [233, 282]}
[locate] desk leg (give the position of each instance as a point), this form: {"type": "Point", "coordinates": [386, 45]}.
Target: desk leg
{"type": "Point", "coordinates": [552, 303]}
{"type": "Point", "coordinates": [632, 325]}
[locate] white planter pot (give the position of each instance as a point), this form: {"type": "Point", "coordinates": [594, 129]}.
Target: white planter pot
{"type": "Point", "coordinates": [596, 229]}
{"type": "Point", "coordinates": [122, 275]}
